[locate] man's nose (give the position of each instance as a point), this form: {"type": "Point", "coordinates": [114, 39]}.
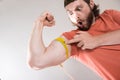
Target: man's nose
{"type": "Point", "coordinates": [76, 16]}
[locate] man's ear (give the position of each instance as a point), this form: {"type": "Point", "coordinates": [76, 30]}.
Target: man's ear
{"type": "Point", "coordinates": [92, 4]}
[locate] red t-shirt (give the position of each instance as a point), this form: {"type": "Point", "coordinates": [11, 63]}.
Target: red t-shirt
{"type": "Point", "coordinates": [103, 60]}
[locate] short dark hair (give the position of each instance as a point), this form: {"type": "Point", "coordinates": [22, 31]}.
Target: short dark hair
{"type": "Point", "coordinates": [95, 10]}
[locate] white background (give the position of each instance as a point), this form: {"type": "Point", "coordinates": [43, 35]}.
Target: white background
{"type": "Point", "coordinates": [16, 24]}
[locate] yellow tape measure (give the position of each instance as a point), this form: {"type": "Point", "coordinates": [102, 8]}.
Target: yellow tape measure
{"type": "Point", "coordinates": [62, 41]}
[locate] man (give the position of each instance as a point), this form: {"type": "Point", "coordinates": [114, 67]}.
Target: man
{"type": "Point", "coordinates": [96, 42]}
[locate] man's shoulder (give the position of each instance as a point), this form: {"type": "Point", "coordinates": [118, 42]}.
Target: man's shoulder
{"type": "Point", "coordinates": [109, 11]}
{"type": "Point", "coordinates": [70, 34]}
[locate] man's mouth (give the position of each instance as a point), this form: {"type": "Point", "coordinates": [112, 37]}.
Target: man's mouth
{"type": "Point", "coordinates": [80, 24]}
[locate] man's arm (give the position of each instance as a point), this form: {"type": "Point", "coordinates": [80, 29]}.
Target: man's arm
{"type": "Point", "coordinates": [87, 41]}
{"type": "Point", "coordinates": [110, 38]}
{"type": "Point", "coordinates": [40, 56]}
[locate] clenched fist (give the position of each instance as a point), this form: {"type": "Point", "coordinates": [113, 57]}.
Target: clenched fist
{"type": "Point", "coordinates": [46, 19]}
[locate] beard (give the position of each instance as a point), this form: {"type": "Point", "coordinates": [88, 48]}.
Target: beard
{"type": "Point", "coordinates": [89, 21]}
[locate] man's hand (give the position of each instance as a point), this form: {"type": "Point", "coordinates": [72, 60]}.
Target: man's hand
{"type": "Point", "coordinates": [84, 40]}
{"type": "Point", "coordinates": [46, 19]}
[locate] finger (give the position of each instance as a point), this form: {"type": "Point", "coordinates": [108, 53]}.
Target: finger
{"type": "Point", "coordinates": [80, 44]}
{"type": "Point", "coordinates": [76, 36]}
{"type": "Point", "coordinates": [80, 32]}
{"type": "Point", "coordinates": [49, 17]}
{"type": "Point", "coordinates": [45, 16]}
{"type": "Point", "coordinates": [52, 23]}
{"type": "Point", "coordinates": [83, 48]}
{"type": "Point", "coordinates": [73, 41]}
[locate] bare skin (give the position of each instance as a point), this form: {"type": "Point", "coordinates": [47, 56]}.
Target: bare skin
{"type": "Point", "coordinates": [40, 56]}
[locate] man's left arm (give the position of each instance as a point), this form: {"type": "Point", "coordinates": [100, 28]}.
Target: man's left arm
{"type": "Point", "coordinates": [87, 41]}
{"type": "Point", "coordinates": [110, 38]}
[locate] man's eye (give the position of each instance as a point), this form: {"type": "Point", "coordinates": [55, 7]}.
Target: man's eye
{"type": "Point", "coordinates": [70, 12]}
{"type": "Point", "coordinates": [78, 9]}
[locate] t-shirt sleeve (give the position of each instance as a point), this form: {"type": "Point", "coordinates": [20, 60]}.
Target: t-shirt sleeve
{"type": "Point", "coordinates": [116, 16]}
{"type": "Point", "coordinates": [70, 35]}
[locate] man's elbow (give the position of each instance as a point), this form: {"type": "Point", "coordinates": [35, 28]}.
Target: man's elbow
{"type": "Point", "coordinates": [35, 65]}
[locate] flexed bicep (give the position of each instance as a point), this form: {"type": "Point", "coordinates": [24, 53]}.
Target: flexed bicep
{"type": "Point", "coordinates": [55, 54]}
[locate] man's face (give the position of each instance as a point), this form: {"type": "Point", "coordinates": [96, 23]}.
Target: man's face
{"type": "Point", "coordinates": [80, 14]}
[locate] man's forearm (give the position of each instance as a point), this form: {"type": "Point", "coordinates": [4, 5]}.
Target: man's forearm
{"type": "Point", "coordinates": [36, 42]}
{"type": "Point", "coordinates": [110, 38]}
{"type": "Point", "coordinates": [36, 47]}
